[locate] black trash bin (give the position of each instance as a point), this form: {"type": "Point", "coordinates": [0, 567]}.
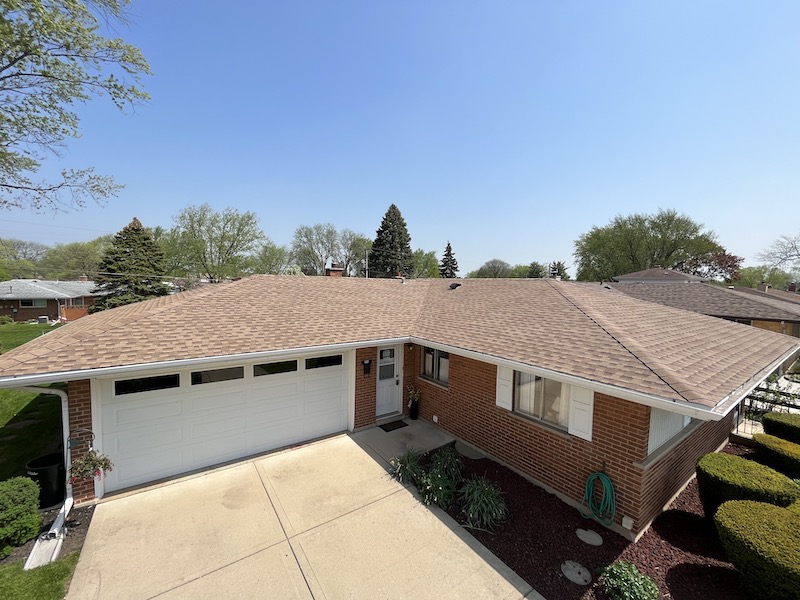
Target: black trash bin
{"type": "Point", "coordinates": [48, 471]}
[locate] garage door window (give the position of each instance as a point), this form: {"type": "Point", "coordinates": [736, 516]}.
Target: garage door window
{"type": "Point", "coordinates": [146, 384]}
{"type": "Point", "coordinates": [215, 375]}
{"type": "Point", "coordinates": [286, 366]}
{"type": "Point", "coordinates": [323, 361]}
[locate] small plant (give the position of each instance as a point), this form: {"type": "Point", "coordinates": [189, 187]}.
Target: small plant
{"type": "Point", "coordinates": [448, 461]}
{"type": "Point", "coordinates": [406, 468]}
{"type": "Point", "coordinates": [413, 395]}
{"type": "Point", "coordinates": [482, 503]}
{"type": "Point", "coordinates": [19, 513]}
{"type": "Point", "coordinates": [623, 581]}
{"type": "Point", "coordinates": [437, 487]}
{"type": "Point", "coordinates": [6, 319]}
{"type": "Point", "coordinates": [91, 465]}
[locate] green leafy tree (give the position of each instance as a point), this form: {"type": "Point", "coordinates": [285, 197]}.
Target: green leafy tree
{"type": "Point", "coordinates": [353, 251]}
{"type": "Point", "coordinates": [425, 265]}
{"type": "Point", "coordinates": [494, 268]}
{"type": "Point", "coordinates": [448, 268]}
{"type": "Point", "coordinates": [753, 276]}
{"type": "Point", "coordinates": [519, 272]}
{"type": "Point", "coordinates": [391, 253]}
{"type": "Point", "coordinates": [214, 244]}
{"type": "Point", "coordinates": [313, 246]}
{"type": "Point", "coordinates": [637, 242]}
{"type": "Point", "coordinates": [70, 261]}
{"type": "Point", "coordinates": [271, 258]}
{"type": "Point", "coordinates": [131, 270]}
{"type": "Point", "coordinates": [537, 270]}
{"type": "Point", "coordinates": [53, 57]}
{"type": "Point", "coordinates": [558, 269]}
{"type": "Point", "coordinates": [20, 259]}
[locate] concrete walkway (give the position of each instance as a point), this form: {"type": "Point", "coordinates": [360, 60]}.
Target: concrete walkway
{"type": "Point", "coordinates": [324, 521]}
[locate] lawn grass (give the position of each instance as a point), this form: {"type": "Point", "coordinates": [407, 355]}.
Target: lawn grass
{"type": "Point", "coordinates": [44, 583]}
{"type": "Point", "coordinates": [41, 436]}
{"type": "Point", "coordinates": [16, 334]}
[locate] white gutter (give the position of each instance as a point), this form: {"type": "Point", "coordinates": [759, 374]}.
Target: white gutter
{"type": "Point", "coordinates": [48, 545]}
{"type": "Point", "coordinates": [17, 381]}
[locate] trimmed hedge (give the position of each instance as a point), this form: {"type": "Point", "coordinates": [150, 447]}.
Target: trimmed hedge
{"type": "Point", "coordinates": [20, 520]}
{"type": "Point", "coordinates": [722, 477]}
{"type": "Point", "coordinates": [763, 543]}
{"type": "Point", "coordinates": [783, 425]}
{"type": "Point", "coordinates": [781, 455]}
{"type": "Point", "coordinates": [795, 507]}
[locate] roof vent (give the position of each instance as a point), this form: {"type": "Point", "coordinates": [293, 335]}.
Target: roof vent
{"type": "Point", "coordinates": [455, 285]}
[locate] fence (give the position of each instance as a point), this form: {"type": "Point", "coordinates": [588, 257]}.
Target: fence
{"type": "Point", "coordinates": [773, 396]}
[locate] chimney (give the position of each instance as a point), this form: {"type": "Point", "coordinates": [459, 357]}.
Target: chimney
{"type": "Point", "coordinates": [83, 278]}
{"type": "Point", "coordinates": [335, 270]}
{"type": "Point", "coordinates": [763, 287]}
{"type": "Point", "coordinates": [792, 287]}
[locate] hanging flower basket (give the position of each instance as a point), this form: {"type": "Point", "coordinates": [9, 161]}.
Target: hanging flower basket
{"type": "Point", "coordinates": [91, 465]}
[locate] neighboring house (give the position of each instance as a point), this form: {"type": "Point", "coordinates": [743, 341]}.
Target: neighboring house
{"type": "Point", "coordinates": [658, 275]}
{"type": "Point", "coordinates": [731, 304]}
{"type": "Point", "coordinates": [555, 379]}
{"type": "Point", "coordinates": [767, 291]}
{"type": "Point", "coordinates": [30, 299]}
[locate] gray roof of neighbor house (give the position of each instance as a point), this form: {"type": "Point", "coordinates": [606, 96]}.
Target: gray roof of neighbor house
{"type": "Point", "coordinates": [659, 274]}
{"type": "Point", "coordinates": [713, 300]}
{"type": "Point", "coordinates": [38, 289]}
{"type": "Point", "coordinates": [771, 293]}
{"type": "Point", "coordinates": [585, 331]}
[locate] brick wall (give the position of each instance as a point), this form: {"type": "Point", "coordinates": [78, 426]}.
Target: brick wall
{"type": "Point", "coordinates": [775, 326]}
{"type": "Point", "coordinates": [620, 432]}
{"type": "Point", "coordinates": [80, 417]}
{"type": "Point", "coordinates": [366, 387]}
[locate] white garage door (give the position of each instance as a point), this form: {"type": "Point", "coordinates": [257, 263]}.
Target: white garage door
{"type": "Point", "coordinates": [168, 423]}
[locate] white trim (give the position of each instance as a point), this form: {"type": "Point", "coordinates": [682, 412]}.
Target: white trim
{"type": "Point", "coordinates": [97, 429]}
{"type": "Point", "coordinates": [351, 367]}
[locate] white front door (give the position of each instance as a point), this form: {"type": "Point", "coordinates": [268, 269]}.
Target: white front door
{"type": "Point", "coordinates": [390, 392]}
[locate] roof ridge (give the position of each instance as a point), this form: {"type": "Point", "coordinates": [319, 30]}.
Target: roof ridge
{"type": "Point", "coordinates": [651, 362]}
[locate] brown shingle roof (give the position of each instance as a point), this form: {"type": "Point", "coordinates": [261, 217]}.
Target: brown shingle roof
{"type": "Point", "coordinates": [583, 330]}
{"type": "Point", "coordinates": [712, 300]}
{"type": "Point", "coordinates": [658, 274]}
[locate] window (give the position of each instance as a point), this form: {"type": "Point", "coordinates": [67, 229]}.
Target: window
{"type": "Point", "coordinates": [664, 426]}
{"type": "Point", "coordinates": [543, 399]}
{"type": "Point", "coordinates": [286, 366]}
{"type": "Point", "coordinates": [216, 375]}
{"type": "Point", "coordinates": [146, 384]}
{"type": "Point", "coordinates": [33, 303]}
{"type": "Point", "coordinates": [323, 361]}
{"type": "Point", "coordinates": [436, 365]}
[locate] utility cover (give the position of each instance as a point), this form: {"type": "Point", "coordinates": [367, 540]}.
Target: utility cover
{"type": "Point", "coordinates": [576, 572]}
{"type": "Point", "coordinates": [590, 537]}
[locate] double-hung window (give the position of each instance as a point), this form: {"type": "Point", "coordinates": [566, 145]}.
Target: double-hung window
{"type": "Point", "coordinates": [33, 303]}
{"type": "Point", "coordinates": [436, 365]}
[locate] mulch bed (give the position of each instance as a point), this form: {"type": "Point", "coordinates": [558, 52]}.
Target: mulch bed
{"type": "Point", "coordinates": [77, 527]}
{"type": "Point", "coordinates": [680, 551]}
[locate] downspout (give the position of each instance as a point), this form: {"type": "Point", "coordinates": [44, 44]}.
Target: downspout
{"type": "Point", "coordinates": [56, 532]}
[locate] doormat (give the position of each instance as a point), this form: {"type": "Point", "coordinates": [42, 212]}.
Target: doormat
{"type": "Point", "coordinates": [393, 425]}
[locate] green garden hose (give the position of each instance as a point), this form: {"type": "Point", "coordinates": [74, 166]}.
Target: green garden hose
{"type": "Point", "coordinates": [604, 511]}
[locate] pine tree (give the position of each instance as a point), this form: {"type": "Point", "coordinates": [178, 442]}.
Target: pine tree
{"type": "Point", "coordinates": [391, 253]}
{"type": "Point", "coordinates": [131, 269]}
{"type": "Point", "coordinates": [448, 268]}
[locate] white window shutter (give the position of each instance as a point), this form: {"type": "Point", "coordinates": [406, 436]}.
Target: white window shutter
{"type": "Point", "coordinates": [505, 382]}
{"type": "Point", "coordinates": [581, 412]}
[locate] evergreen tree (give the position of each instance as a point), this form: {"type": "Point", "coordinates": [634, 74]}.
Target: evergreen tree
{"type": "Point", "coordinates": [391, 251]}
{"type": "Point", "coordinates": [131, 269]}
{"type": "Point", "coordinates": [448, 268]}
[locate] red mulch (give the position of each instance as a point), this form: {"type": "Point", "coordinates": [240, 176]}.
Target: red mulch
{"type": "Point", "coordinates": [680, 551]}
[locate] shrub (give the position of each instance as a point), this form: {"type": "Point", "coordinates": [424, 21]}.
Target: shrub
{"type": "Point", "coordinates": [795, 508]}
{"type": "Point", "coordinates": [448, 461]}
{"type": "Point", "coordinates": [406, 468]}
{"type": "Point", "coordinates": [783, 425]}
{"type": "Point", "coordinates": [722, 477]}
{"type": "Point", "coordinates": [763, 543]}
{"type": "Point", "coordinates": [623, 581]}
{"type": "Point", "coordinates": [482, 502]}
{"type": "Point", "coordinates": [437, 487]}
{"type": "Point", "coordinates": [20, 520]}
{"type": "Point", "coordinates": [781, 455]}
{"type": "Point", "coordinates": [6, 319]}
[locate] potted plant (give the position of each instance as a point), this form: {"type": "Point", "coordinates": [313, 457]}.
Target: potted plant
{"type": "Point", "coordinates": [91, 465]}
{"type": "Point", "coordinates": [413, 402]}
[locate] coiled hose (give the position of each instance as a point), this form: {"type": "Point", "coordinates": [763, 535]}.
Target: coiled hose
{"type": "Point", "coordinates": [604, 511]}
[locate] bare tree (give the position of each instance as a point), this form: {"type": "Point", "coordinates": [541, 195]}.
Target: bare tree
{"type": "Point", "coordinates": [784, 252]}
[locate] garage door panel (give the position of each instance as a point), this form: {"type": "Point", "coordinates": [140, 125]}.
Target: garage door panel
{"type": "Point", "coordinates": [145, 413]}
{"type": "Point", "coordinates": [195, 427]}
{"type": "Point", "coordinates": [217, 402]}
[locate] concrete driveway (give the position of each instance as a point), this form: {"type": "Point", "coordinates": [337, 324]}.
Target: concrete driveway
{"type": "Point", "coordinates": [322, 521]}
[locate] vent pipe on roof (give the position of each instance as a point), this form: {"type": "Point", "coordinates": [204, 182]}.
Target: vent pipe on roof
{"type": "Point", "coordinates": [455, 286]}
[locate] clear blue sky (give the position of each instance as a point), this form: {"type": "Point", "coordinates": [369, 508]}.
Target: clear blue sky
{"type": "Point", "coordinates": [508, 128]}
